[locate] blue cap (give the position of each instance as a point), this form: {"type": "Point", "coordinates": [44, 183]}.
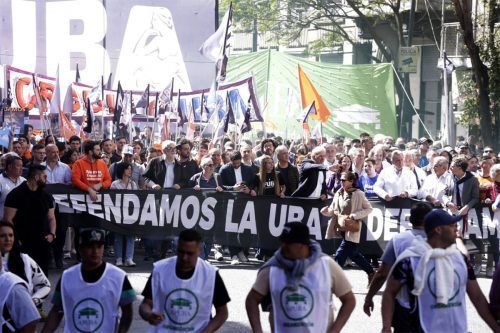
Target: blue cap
{"type": "Point", "coordinates": [439, 217]}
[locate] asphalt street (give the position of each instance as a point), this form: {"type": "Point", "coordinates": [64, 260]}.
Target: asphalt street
{"type": "Point", "coordinates": [239, 280]}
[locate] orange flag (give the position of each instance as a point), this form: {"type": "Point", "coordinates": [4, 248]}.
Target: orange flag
{"type": "Point", "coordinates": [66, 128]}
{"type": "Point", "coordinates": [309, 94]}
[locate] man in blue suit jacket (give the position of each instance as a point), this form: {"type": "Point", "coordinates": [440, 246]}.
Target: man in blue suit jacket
{"type": "Point", "coordinates": [236, 176]}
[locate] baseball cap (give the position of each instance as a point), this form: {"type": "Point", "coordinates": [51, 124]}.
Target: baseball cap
{"type": "Point", "coordinates": [295, 232]}
{"type": "Point", "coordinates": [127, 149]}
{"type": "Point", "coordinates": [424, 139]}
{"type": "Point", "coordinates": [91, 235]}
{"type": "Point", "coordinates": [439, 217]}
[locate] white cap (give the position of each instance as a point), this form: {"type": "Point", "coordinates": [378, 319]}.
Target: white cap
{"type": "Point", "coordinates": [127, 149]}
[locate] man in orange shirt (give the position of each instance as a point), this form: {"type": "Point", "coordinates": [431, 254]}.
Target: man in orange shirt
{"type": "Point", "coordinates": [90, 173]}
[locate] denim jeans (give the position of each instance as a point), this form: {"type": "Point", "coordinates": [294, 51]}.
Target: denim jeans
{"type": "Point", "coordinates": [206, 246]}
{"type": "Point", "coordinates": [129, 246]}
{"type": "Point", "coordinates": [350, 250]}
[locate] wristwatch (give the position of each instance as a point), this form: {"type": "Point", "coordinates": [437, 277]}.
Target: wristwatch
{"type": "Point", "coordinates": [53, 235]}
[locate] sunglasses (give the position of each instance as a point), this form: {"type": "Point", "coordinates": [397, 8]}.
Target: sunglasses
{"type": "Point", "coordinates": [345, 180]}
{"type": "Point", "coordinates": [488, 151]}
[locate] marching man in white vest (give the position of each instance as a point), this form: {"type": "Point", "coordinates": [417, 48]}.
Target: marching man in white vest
{"type": "Point", "coordinates": [21, 315]}
{"type": "Point", "coordinates": [181, 290]}
{"type": "Point", "coordinates": [300, 280]}
{"type": "Point", "coordinates": [91, 294]}
{"type": "Point", "coordinates": [436, 277]}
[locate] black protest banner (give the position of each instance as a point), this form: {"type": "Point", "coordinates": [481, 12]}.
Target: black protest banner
{"type": "Point", "coordinates": [232, 218]}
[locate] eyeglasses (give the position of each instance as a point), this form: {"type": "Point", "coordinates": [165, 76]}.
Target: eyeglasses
{"type": "Point", "coordinates": [345, 180]}
{"type": "Point", "coordinates": [488, 151]}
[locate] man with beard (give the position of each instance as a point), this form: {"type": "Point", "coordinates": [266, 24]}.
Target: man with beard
{"type": "Point", "coordinates": [188, 166]}
{"type": "Point", "coordinates": [90, 173]}
{"type": "Point", "coordinates": [31, 210]}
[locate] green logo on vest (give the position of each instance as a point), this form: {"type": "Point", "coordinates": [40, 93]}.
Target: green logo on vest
{"type": "Point", "coordinates": [88, 315]}
{"type": "Point", "coordinates": [431, 283]}
{"type": "Point", "coordinates": [297, 304]}
{"type": "Point", "coordinates": [181, 306]}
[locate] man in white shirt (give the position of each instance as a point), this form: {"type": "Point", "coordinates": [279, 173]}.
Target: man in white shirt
{"type": "Point", "coordinates": [409, 162]}
{"type": "Point", "coordinates": [11, 178]}
{"type": "Point", "coordinates": [396, 180]}
{"type": "Point", "coordinates": [163, 171]}
{"type": "Point", "coordinates": [436, 184]}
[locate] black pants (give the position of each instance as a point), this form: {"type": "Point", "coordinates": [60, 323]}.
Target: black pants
{"type": "Point", "coordinates": [58, 243]}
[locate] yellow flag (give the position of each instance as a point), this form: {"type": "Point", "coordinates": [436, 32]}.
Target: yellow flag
{"type": "Point", "coordinates": [309, 94]}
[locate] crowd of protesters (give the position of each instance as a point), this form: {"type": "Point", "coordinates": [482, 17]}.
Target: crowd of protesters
{"type": "Point", "coordinates": [453, 179]}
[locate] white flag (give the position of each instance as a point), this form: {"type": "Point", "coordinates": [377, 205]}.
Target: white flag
{"type": "Point", "coordinates": [68, 101]}
{"type": "Point", "coordinates": [95, 95]}
{"type": "Point", "coordinates": [213, 47]}
{"type": "Point", "coordinates": [55, 103]}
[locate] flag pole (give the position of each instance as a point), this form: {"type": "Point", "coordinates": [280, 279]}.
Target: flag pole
{"type": "Point", "coordinates": [102, 109]}
{"type": "Point", "coordinates": [152, 135]}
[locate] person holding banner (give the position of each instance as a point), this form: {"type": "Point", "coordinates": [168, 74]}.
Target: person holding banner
{"type": "Point", "coordinates": [296, 286]}
{"type": "Point", "coordinates": [396, 181]}
{"type": "Point", "coordinates": [312, 181]}
{"type": "Point", "coordinates": [207, 179]}
{"type": "Point", "coordinates": [435, 186]}
{"type": "Point", "coordinates": [164, 171]}
{"type": "Point", "coordinates": [90, 173]}
{"type": "Point", "coordinates": [181, 290]}
{"type": "Point", "coordinates": [89, 295]}
{"type": "Point", "coordinates": [349, 207]}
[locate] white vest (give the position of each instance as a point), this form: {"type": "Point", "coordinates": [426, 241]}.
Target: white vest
{"type": "Point", "coordinates": [438, 318]}
{"type": "Point", "coordinates": [401, 242]}
{"type": "Point", "coordinates": [307, 308]}
{"type": "Point", "coordinates": [7, 282]}
{"type": "Point", "coordinates": [186, 304]}
{"type": "Point", "coordinates": [91, 307]}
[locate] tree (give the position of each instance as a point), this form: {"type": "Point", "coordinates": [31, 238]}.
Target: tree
{"type": "Point", "coordinates": [483, 49]}
{"type": "Point", "coordinates": [289, 19]}
{"type": "Point", "coordinates": [479, 69]}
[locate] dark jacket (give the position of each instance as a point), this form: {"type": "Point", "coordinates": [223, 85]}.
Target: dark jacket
{"type": "Point", "coordinates": [308, 179]}
{"type": "Point", "coordinates": [156, 171]}
{"type": "Point", "coordinates": [188, 169]}
{"type": "Point", "coordinates": [228, 176]}
{"type": "Point", "coordinates": [195, 180]}
{"type": "Point", "coordinates": [291, 181]}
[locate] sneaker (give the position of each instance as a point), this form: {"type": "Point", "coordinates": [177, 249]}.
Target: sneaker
{"type": "Point", "coordinates": [129, 263]}
{"type": "Point", "coordinates": [119, 263]}
{"type": "Point", "coordinates": [235, 260]}
{"type": "Point", "coordinates": [67, 255]}
{"type": "Point", "coordinates": [242, 257]}
{"type": "Point", "coordinates": [218, 256]}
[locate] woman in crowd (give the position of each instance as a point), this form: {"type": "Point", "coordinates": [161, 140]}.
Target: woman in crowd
{"type": "Point", "coordinates": [349, 206]}
{"type": "Point", "coordinates": [70, 157]}
{"type": "Point", "coordinates": [50, 139]}
{"type": "Point", "coordinates": [270, 182]}
{"type": "Point", "coordinates": [106, 159]}
{"type": "Point", "coordinates": [333, 184]}
{"type": "Point", "coordinates": [368, 178]}
{"type": "Point", "coordinates": [124, 182]}
{"type": "Point", "coordinates": [485, 179]}
{"type": "Point", "coordinates": [377, 153]}
{"type": "Point", "coordinates": [207, 179]}
{"type": "Point", "coordinates": [22, 265]}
